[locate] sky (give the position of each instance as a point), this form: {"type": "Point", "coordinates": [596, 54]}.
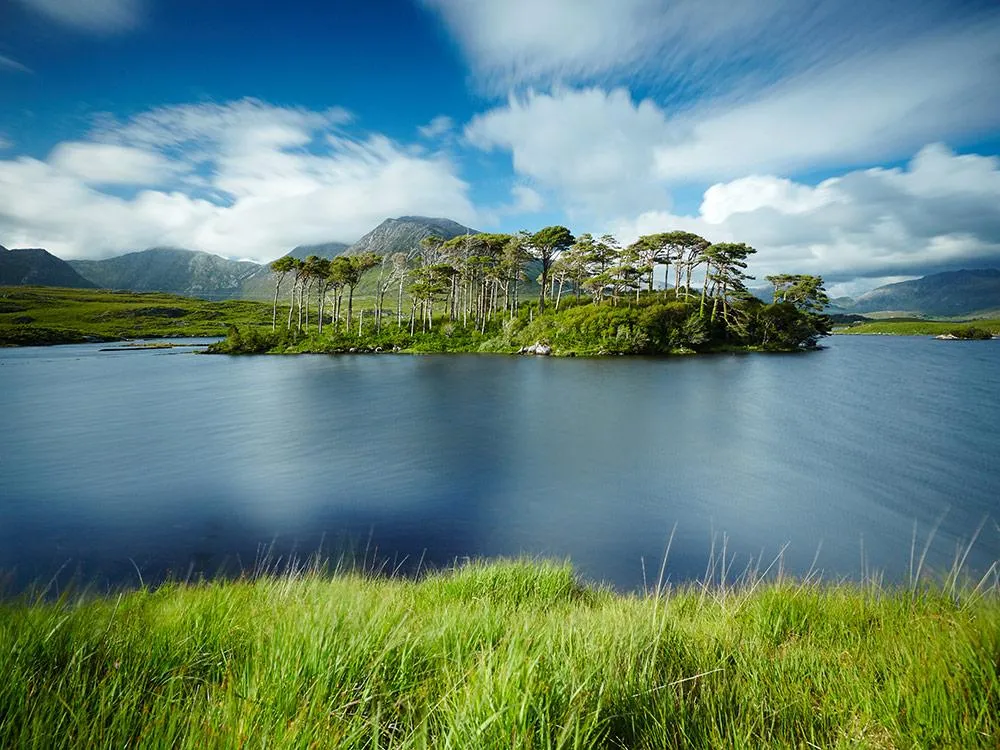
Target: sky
{"type": "Point", "coordinates": [855, 139]}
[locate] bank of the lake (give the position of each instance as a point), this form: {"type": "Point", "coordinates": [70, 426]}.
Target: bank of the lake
{"type": "Point", "coordinates": [44, 316]}
{"type": "Point", "coordinates": [501, 655]}
{"type": "Point", "coordinates": [917, 327]}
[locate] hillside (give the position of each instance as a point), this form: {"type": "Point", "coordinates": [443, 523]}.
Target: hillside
{"type": "Point", "coordinates": [323, 250]}
{"type": "Point", "coordinates": [949, 294]}
{"type": "Point", "coordinates": [35, 266]}
{"type": "Point", "coordinates": [400, 235]}
{"type": "Point", "coordinates": [403, 235]}
{"type": "Point", "coordinates": [172, 270]}
{"type": "Point", "coordinates": [260, 284]}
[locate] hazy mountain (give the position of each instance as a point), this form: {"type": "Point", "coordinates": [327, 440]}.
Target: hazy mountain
{"type": "Point", "coordinates": [400, 235]}
{"type": "Point", "coordinates": [34, 266]}
{"type": "Point", "coordinates": [187, 272]}
{"type": "Point", "coordinates": [260, 284]}
{"type": "Point", "coordinates": [323, 250]}
{"type": "Point", "coordinates": [403, 235]}
{"type": "Point", "coordinates": [949, 294]}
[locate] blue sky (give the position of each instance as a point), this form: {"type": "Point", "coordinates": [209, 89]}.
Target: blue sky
{"type": "Point", "coordinates": [846, 138]}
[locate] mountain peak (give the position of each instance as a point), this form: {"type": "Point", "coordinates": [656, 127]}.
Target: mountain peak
{"type": "Point", "coordinates": [403, 235]}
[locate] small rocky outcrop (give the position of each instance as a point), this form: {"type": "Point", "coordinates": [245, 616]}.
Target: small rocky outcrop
{"type": "Point", "coordinates": [538, 348]}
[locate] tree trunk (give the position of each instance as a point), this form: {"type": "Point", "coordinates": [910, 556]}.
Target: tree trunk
{"type": "Point", "coordinates": [319, 311]}
{"type": "Point", "coordinates": [704, 292]}
{"type": "Point", "coordinates": [399, 304]}
{"type": "Point", "coordinates": [291, 305]}
{"type": "Point", "coordinates": [274, 309]}
{"type": "Point", "coordinates": [541, 288]}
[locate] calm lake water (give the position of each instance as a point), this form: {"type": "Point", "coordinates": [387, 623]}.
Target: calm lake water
{"type": "Point", "coordinates": [174, 464]}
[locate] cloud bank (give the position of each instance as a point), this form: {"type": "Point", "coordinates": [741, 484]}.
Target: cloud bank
{"type": "Point", "coordinates": [243, 179]}
{"type": "Point", "coordinates": [941, 211]}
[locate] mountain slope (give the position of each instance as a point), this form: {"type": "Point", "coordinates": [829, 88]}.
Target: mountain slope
{"type": "Point", "coordinates": [186, 272]}
{"type": "Point", "coordinates": [260, 284]}
{"type": "Point", "coordinates": [948, 294]}
{"type": "Point", "coordinates": [23, 266]}
{"type": "Point", "coordinates": [323, 250]}
{"type": "Point", "coordinates": [403, 235]}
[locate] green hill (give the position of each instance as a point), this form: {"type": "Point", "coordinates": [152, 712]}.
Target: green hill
{"type": "Point", "coordinates": [172, 270]}
{"type": "Point", "coordinates": [39, 267]}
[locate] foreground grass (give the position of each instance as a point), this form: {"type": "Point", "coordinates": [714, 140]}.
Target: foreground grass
{"type": "Point", "coordinates": [50, 315]}
{"type": "Point", "coordinates": [921, 327]}
{"type": "Point", "coordinates": [500, 655]}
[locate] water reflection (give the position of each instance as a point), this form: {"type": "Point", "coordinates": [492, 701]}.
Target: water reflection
{"type": "Point", "coordinates": [177, 463]}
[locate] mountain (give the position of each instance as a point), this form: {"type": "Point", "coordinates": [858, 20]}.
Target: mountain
{"type": "Point", "coordinates": [949, 294]}
{"type": "Point", "coordinates": [323, 250]}
{"type": "Point", "coordinates": [24, 266]}
{"type": "Point", "coordinates": [260, 284]}
{"type": "Point", "coordinates": [403, 235]}
{"type": "Point", "coordinates": [400, 235]}
{"type": "Point", "coordinates": [161, 269]}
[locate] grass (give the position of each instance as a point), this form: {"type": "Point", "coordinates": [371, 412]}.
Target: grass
{"type": "Point", "coordinates": [51, 315]}
{"type": "Point", "coordinates": [499, 655]}
{"type": "Point", "coordinates": [916, 327]}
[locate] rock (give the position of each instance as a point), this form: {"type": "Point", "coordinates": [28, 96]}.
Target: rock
{"type": "Point", "coordinates": [538, 348]}
{"type": "Point", "coordinates": [947, 337]}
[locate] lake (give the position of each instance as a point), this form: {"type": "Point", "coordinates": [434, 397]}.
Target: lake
{"type": "Point", "coordinates": [163, 462]}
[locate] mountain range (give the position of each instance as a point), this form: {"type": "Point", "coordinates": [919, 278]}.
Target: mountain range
{"type": "Point", "coordinates": [198, 274]}
{"type": "Point", "coordinates": [164, 269]}
{"type": "Point", "coordinates": [948, 294]}
{"type": "Point", "coordinates": [34, 266]}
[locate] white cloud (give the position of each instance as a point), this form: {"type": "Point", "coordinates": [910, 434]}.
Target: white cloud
{"type": "Point", "coordinates": [5, 143]}
{"type": "Point", "coordinates": [942, 210]}
{"type": "Point", "coordinates": [694, 45]}
{"type": "Point", "coordinates": [602, 149]}
{"type": "Point", "coordinates": [246, 179]}
{"type": "Point", "coordinates": [98, 16]}
{"type": "Point", "coordinates": [111, 164]}
{"type": "Point", "coordinates": [526, 200]}
{"type": "Point", "coordinates": [595, 148]}
{"type": "Point", "coordinates": [873, 107]}
{"type": "Point", "coordinates": [439, 126]}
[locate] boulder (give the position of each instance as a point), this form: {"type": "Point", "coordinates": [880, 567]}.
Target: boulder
{"type": "Point", "coordinates": [539, 348]}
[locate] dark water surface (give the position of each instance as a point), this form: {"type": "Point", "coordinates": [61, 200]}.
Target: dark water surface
{"type": "Point", "coordinates": [179, 462]}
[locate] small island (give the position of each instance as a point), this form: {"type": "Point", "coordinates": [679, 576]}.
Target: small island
{"type": "Point", "coordinates": [594, 297]}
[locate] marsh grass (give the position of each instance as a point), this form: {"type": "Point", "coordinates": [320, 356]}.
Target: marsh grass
{"type": "Point", "coordinates": [511, 653]}
{"type": "Point", "coordinates": [922, 327]}
{"type": "Point", "coordinates": [51, 315]}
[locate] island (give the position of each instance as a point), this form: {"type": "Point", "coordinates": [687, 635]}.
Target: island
{"type": "Point", "coordinates": [594, 297]}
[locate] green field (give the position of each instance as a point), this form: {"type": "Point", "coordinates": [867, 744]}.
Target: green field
{"type": "Point", "coordinates": [50, 315]}
{"type": "Point", "coordinates": [916, 327]}
{"type": "Point", "coordinates": [503, 655]}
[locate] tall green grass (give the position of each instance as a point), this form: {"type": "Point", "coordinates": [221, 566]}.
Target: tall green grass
{"type": "Point", "coordinates": [921, 327]}
{"type": "Point", "coordinates": [51, 315]}
{"type": "Point", "coordinates": [499, 655]}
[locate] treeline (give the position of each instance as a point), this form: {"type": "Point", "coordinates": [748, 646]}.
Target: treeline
{"type": "Point", "coordinates": [474, 284]}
